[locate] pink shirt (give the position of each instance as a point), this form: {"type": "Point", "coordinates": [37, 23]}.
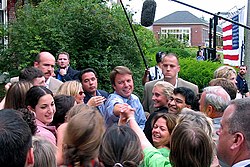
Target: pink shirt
{"type": "Point", "coordinates": [48, 132]}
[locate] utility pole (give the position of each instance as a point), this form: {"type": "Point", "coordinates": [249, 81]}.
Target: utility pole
{"type": "Point", "coordinates": [247, 45]}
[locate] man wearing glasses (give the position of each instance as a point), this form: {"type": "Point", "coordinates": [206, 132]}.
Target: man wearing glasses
{"type": "Point", "coordinates": [182, 98]}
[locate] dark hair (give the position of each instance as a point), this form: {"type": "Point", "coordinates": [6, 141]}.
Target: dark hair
{"type": "Point", "coordinates": [118, 70]}
{"type": "Point", "coordinates": [15, 138]}
{"type": "Point", "coordinates": [85, 71]}
{"type": "Point", "coordinates": [30, 119]}
{"type": "Point", "coordinates": [30, 73]}
{"type": "Point", "coordinates": [158, 56]}
{"type": "Point", "coordinates": [16, 94]}
{"type": "Point", "coordinates": [34, 94]}
{"type": "Point", "coordinates": [170, 122]}
{"type": "Point", "coordinates": [63, 105]}
{"type": "Point", "coordinates": [226, 84]}
{"type": "Point", "coordinates": [120, 144]}
{"type": "Point", "coordinates": [190, 97]}
{"type": "Point", "coordinates": [243, 66]}
{"type": "Point", "coordinates": [38, 57]}
{"type": "Point", "coordinates": [190, 146]}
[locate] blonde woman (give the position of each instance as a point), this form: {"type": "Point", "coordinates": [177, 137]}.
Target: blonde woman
{"type": "Point", "coordinates": [161, 93]}
{"type": "Point", "coordinates": [226, 72]}
{"type": "Point", "coordinates": [72, 88]}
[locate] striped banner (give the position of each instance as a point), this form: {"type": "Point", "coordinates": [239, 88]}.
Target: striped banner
{"type": "Point", "coordinates": [233, 38]}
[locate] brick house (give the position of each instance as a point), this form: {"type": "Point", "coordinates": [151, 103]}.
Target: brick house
{"type": "Point", "coordinates": [185, 26]}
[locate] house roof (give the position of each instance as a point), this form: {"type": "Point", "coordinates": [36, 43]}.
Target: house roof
{"type": "Point", "coordinates": [180, 17]}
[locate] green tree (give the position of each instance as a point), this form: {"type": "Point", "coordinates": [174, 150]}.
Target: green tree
{"type": "Point", "coordinates": [94, 35]}
{"type": "Point", "coordinates": [197, 72]}
{"type": "Point", "coordinates": [171, 42]}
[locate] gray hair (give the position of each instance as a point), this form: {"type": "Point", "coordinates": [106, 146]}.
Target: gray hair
{"type": "Point", "coordinates": [217, 97]}
{"type": "Point", "coordinates": [44, 152]}
{"type": "Point", "coordinates": [198, 119]}
{"type": "Point", "coordinates": [239, 120]}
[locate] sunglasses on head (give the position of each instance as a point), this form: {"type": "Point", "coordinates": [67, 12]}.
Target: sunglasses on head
{"type": "Point", "coordinates": [81, 93]}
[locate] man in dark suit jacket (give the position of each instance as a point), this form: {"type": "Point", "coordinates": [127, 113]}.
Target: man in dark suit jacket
{"type": "Point", "coordinates": [234, 137]}
{"type": "Point", "coordinates": [88, 78]}
{"type": "Point", "coordinates": [65, 72]}
{"type": "Point", "coordinates": [170, 69]}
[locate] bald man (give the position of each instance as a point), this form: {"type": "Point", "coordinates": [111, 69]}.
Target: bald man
{"type": "Point", "coordinates": [45, 61]}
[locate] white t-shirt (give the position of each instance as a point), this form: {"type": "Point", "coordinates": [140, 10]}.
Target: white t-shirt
{"type": "Point", "coordinates": [155, 73]}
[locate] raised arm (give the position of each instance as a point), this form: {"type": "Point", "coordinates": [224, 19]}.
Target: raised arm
{"type": "Point", "coordinates": [128, 115]}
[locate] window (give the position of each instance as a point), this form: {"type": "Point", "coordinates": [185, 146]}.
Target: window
{"type": "Point", "coordinates": [182, 34]}
{"type": "Point", "coordinates": [205, 37]}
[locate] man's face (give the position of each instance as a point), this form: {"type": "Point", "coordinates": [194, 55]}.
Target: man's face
{"type": "Point", "coordinates": [226, 139]}
{"type": "Point", "coordinates": [243, 70]}
{"type": "Point", "coordinates": [124, 85]}
{"type": "Point", "coordinates": [170, 67]}
{"type": "Point", "coordinates": [46, 64]}
{"type": "Point", "coordinates": [89, 82]}
{"type": "Point", "coordinates": [39, 81]}
{"type": "Point", "coordinates": [176, 103]}
{"type": "Point", "coordinates": [63, 61]}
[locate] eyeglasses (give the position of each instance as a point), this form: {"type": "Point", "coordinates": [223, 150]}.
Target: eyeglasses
{"type": "Point", "coordinates": [176, 100]}
{"type": "Point", "coordinates": [81, 93]}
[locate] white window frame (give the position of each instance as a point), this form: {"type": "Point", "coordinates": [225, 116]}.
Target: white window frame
{"type": "Point", "coordinates": [165, 32]}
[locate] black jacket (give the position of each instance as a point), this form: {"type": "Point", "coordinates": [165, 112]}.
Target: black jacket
{"type": "Point", "coordinates": [71, 75]}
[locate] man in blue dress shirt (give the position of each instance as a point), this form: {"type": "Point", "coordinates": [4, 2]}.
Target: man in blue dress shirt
{"type": "Point", "coordinates": [122, 82]}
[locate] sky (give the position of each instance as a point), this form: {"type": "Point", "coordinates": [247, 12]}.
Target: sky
{"type": "Point", "coordinates": [166, 7]}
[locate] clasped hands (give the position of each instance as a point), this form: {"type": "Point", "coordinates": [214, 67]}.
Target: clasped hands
{"type": "Point", "coordinates": [126, 113]}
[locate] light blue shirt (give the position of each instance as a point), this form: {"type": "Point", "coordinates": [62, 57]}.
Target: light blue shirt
{"type": "Point", "coordinates": [101, 107]}
{"type": "Point", "coordinates": [133, 101]}
{"type": "Point", "coordinates": [216, 126]}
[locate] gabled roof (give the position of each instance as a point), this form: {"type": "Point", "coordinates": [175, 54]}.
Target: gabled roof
{"type": "Point", "coordinates": [180, 17]}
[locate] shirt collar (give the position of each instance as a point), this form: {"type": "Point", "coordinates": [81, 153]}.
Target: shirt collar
{"type": "Point", "coordinates": [242, 163]}
{"type": "Point", "coordinates": [176, 82]}
{"type": "Point", "coordinates": [124, 98]}
{"type": "Point", "coordinates": [216, 120]}
{"type": "Point", "coordinates": [47, 82]}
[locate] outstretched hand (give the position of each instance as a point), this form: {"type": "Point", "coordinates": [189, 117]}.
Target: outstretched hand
{"type": "Point", "coordinates": [126, 112]}
{"type": "Point", "coordinates": [96, 101]}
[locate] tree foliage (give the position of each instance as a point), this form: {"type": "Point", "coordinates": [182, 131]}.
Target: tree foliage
{"type": "Point", "coordinates": [197, 72]}
{"type": "Point", "coordinates": [95, 36]}
{"type": "Point", "coordinates": [171, 42]}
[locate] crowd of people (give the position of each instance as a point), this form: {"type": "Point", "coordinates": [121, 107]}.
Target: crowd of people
{"type": "Point", "coordinates": [59, 117]}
